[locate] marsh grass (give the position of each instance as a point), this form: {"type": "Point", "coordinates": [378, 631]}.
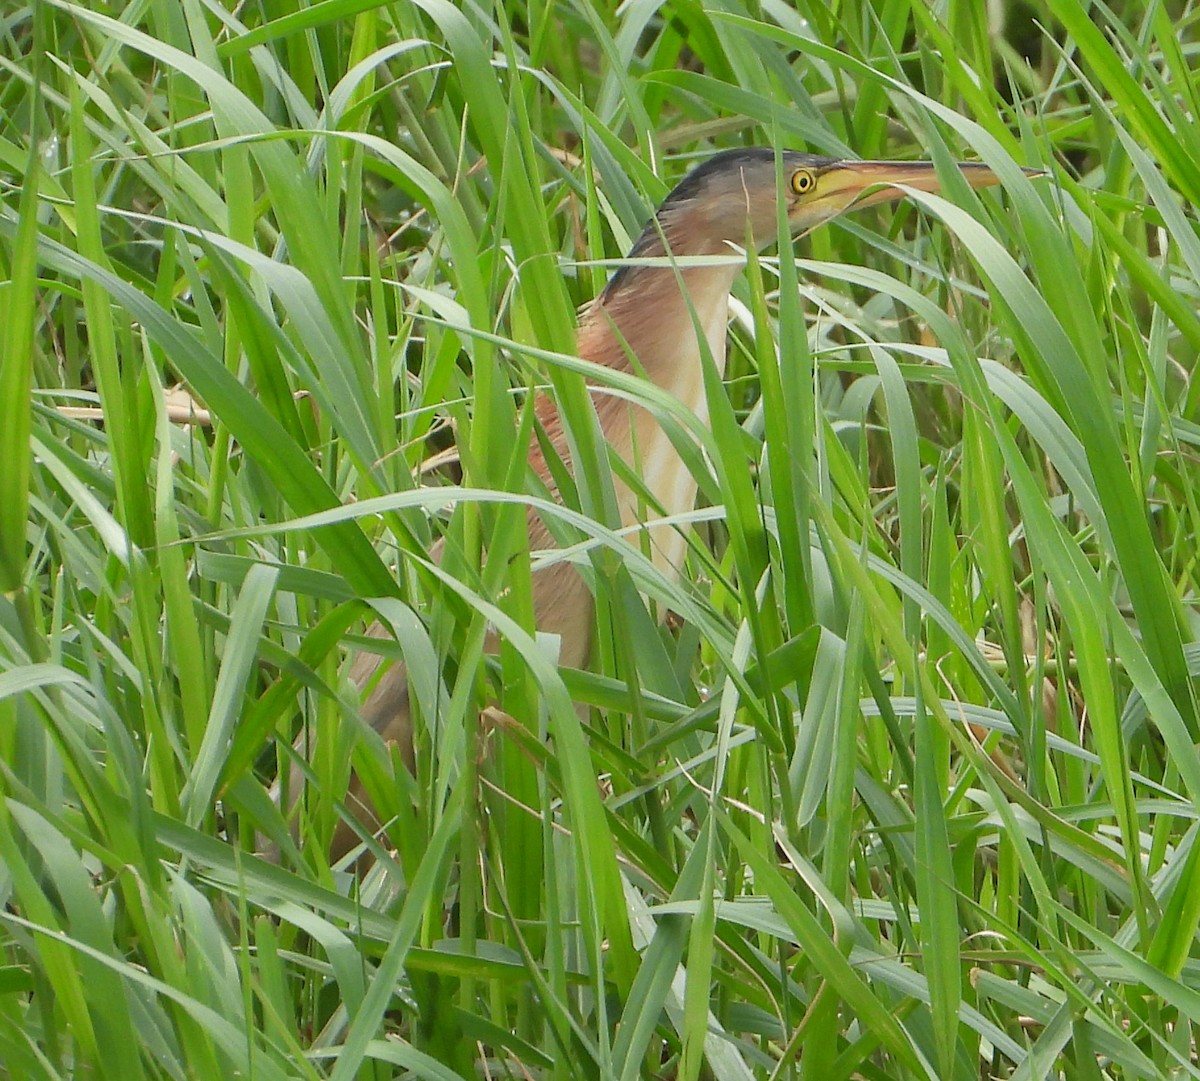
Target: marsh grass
{"type": "Point", "coordinates": [908, 789]}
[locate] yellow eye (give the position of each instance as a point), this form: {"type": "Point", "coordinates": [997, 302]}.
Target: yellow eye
{"type": "Point", "coordinates": [803, 181]}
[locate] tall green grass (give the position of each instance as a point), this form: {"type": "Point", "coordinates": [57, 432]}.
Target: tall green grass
{"type": "Point", "coordinates": [909, 789]}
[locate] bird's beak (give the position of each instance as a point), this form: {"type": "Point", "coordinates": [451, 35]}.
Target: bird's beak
{"type": "Point", "coordinates": [849, 185]}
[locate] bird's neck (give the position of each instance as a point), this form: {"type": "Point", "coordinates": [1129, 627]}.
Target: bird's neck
{"type": "Point", "coordinates": [655, 322]}
{"type": "Point", "coordinates": [658, 322]}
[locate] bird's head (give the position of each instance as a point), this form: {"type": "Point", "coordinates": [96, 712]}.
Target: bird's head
{"type": "Point", "coordinates": [735, 194]}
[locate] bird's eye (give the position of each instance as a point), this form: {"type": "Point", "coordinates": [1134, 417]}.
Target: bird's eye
{"type": "Point", "coordinates": [803, 181]}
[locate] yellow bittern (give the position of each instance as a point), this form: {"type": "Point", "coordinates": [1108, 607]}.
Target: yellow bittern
{"type": "Point", "coordinates": [651, 312]}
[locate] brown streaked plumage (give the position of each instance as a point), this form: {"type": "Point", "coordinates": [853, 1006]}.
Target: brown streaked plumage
{"type": "Point", "coordinates": [644, 311]}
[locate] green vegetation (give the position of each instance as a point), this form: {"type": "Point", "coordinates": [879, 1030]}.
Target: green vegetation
{"type": "Point", "coordinates": [909, 791]}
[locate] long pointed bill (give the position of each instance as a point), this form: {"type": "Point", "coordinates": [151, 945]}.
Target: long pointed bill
{"type": "Point", "coordinates": [855, 184]}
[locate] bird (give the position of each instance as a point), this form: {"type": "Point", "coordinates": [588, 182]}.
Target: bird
{"type": "Point", "coordinates": [649, 320]}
